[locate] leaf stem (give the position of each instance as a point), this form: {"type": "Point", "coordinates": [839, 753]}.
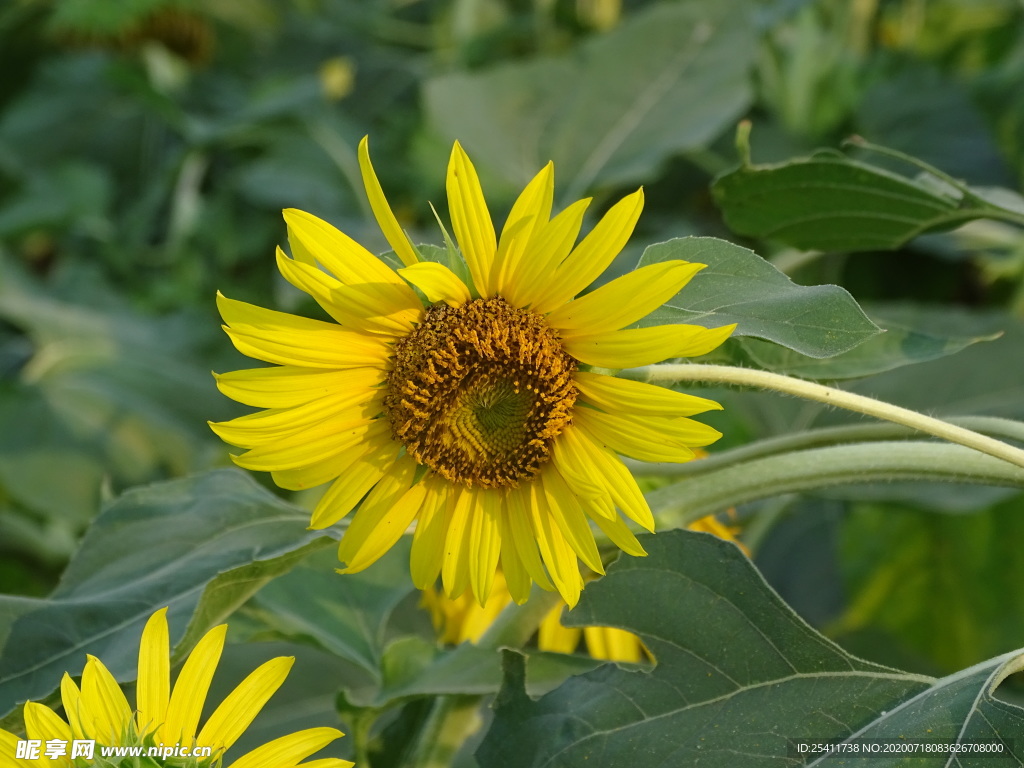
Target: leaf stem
{"type": "Point", "coordinates": [749, 377]}
{"type": "Point", "coordinates": [797, 471]}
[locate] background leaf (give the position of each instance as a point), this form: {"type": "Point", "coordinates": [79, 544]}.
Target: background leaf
{"type": "Point", "coordinates": [200, 545]}
{"type": "Point", "coordinates": [669, 79]}
{"type": "Point", "coordinates": [738, 286]}
{"type": "Point", "coordinates": [737, 676]}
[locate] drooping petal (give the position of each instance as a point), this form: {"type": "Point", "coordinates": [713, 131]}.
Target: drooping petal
{"type": "Point", "coordinates": [230, 719]}
{"type": "Point", "coordinates": [558, 555]}
{"type": "Point", "coordinates": [153, 689]}
{"type": "Point", "coordinates": [437, 282]}
{"type": "Point", "coordinates": [289, 750]}
{"type": "Point", "coordinates": [520, 527]}
{"type": "Point", "coordinates": [644, 346]}
{"type": "Point", "coordinates": [568, 515]}
{"type": "Point", "coordinates": [191, 687]}
{"type": "Point", "coordinates": [624, 300]}
{"type": "Point", "coordinates": [485, 542]}
{"type": "Point", "coordinates": [529, 214]}
{"type": "Point", "coordinates": [383, 517]}
{"type": "Point", "coordinates": [637, 441]}
{"type": "Point", "coordinates": [355, 483]}
{"type": "Point", "coordinates": [104, 704]}
{"type": "Point", "coordinates": [455, 568]}
{"type": "Point", "coordinates": [594, 253]}
{"type": "Point", "coordinates": [427, 553]}
{"type": "Point", "coordinates": [517, 578]}
{"type": "Point", "coordinates": [287, 386]}
{"type": "Point", "coordinates": [583, 478]}
{"type": "Point", "coordinates": [620, 535]}
{"type": "Point", "coordinates": [614, 395]}
{"type": "Point", "coordinates": [389, 225]}
{"type": "Point", "coordinates": [471, 220]}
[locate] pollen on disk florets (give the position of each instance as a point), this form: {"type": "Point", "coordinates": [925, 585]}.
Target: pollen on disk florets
{"type": "Point", "coordinates": [478, 392]}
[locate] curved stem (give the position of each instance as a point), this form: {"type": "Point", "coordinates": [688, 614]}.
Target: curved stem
{"type": "Point", "coordinates": [719, 489]}
{"type": "Point", "coordinates": [749, 377]}
{"type": "Point", "coordinates": [816, 438]}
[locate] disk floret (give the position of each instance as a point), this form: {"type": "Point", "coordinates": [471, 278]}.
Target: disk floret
{"type": "Point", "coordinates": [478, 392]}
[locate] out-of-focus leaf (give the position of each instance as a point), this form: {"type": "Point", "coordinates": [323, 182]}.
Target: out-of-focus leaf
{"type": "Point", "coordinates": [666, 80]}
{"type": "Point", "coordinates": [830, 202]}
{"type": "Point", "coordinates": [738, 675]}
{"type": "Point", "coordinates": [200, 545]}
{"type": "Point", "coordinates": [908, 339]}
{"type": "Point", "coordinates": [944, 587]}
{"type": "Point", "coordinates": [738, 286]}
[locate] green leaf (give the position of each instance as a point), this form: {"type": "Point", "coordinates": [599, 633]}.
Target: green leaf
{"type": "Point", "coordinates": [345, 616]}
{"type": "Point", "coordinates": [909, 338]}
{"type": "Point", "coordinates": [738, 675]}
{"type": "Point", "coordinates": [830, 202]}
{"type": "Point", "coordinates": [200, 545]}
{"type": "Point", "coordinates": [740, 287]}
{"type": "Point", "coordinates": [666, 80]}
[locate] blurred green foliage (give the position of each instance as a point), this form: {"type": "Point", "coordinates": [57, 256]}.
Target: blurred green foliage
{"type": "Point", "coordinates": [147, 147]}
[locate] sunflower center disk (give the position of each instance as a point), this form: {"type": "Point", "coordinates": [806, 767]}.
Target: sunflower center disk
{"type": "Point", "coordinates": [478, 392]}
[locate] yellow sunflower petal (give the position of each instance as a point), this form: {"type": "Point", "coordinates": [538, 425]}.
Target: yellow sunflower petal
{"type": "Point", "coordinates": [153, 689]}
{"type": "Point", "coordinates": [455, 568]}
{"type": "Point", "coordinates": [552, 636]}
{"type": "Point", "coordinates": [383, 518]}
{"type": "Point", "coordinates": [620, 535]}
{"type": "Point", "coordinates": [471, 220]}
{"type": "Point", "coordinates": [240, 708]}
{"type": "Point", "coordinates": [517, 578]}
{"type": "Point", "coordinates": [614, 395]}
{"type": "Point", "coordinates": [327, 762]}
{"type": "Point", "coordinates": [583, 477]}
{"type": "Point", "coordinates": [520, 528]}
{"type": "Point", "coordinates": [104, 704]}
{"type": "Point", "coordinates": [287, 386]}
{"type": "Point", "coordinates": [638, 441]}
{"type": "Point", "coordinates": [43, 723]}
{"type": "Point", "coordinates": [624, 300]}
{"type": "Point", "coordinates": [644, 346]}
{"type": "Point", "coordinates": [619, 480]}
{"type": "Point", "coordinates": [9, 748]}
{"type": "Point", "coordinates": [323, 471]}
{"type": "Point", "coordinates": [485, 542]}
{"type": "Point", "coordinates": [679, 430]}
{"type": "Point", "coordinates": [548, 247]}
{"type": "Point", "coordinates": [613, 644]}
{"type": "Point", "coordinates": [427, 553]}
{"type": "Point", "coordinates": [353, 306]}
{"type": "Point", "coordinates": [558, 555]}
{"type": "Point", "coordinates": [71, 698]}
{"type": "Point", "coordinates": [289, 750]}
{"type": "Point", "coordinates": [568, 515]}
{"type": "Point", "coordinates": [355, 483]}
{"type": "Point", "coordinates": [529, 214]}
{"type": "Point", "coordinates": [437, 282]}
{"type": "Point", "coordinates": [298, 451]}
{"type": "Point", "coordinates": [343, 257]}
{"type": "Point", "coordinates": [389, 225]}
{"type": "Point", "coordinates": [594, 253]}
{"type": "Point", "coordinates": [191, 687]}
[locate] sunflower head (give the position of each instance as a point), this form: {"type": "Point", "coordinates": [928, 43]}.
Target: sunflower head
{"type": "Point", "coordinates": [164, 724]}
{"type": "Point", "coordinates": [469, 408]}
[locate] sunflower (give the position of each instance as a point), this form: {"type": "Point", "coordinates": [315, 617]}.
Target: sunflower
{"type": "Point", "coordinates": [463, 396]}
{"type": "Point", "coordinates": [99, 711]}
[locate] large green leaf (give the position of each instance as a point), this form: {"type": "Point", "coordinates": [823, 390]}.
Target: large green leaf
{"type": "Point", "coordinates": [200, 545]}
{"type": "Point", "coordinates": [738, 676]}
{"type": "Point", "coordinates": [667, 79]}
{"type": "Point", "coordinates": [740, 287]}
{"type": "Point", "coordinates": [831, 202]}
{"type": "Point", "coordinates": [910, 337]}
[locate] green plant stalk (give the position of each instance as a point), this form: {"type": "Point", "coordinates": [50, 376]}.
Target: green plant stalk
{"type": "Point", "coordinates": [816, 438]}
{"type": "Point", "coordinates": [798, 471]}
{"type": "Point", "coordinates": [749, 377]}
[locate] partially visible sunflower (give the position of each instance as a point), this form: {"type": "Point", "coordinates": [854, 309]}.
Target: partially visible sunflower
{"type": "Point", "coordinates": [99, 711]}
{"type": "Point", "coordinates": [460, 619]}
{"type": "Point", "coordinates": [461, 398]}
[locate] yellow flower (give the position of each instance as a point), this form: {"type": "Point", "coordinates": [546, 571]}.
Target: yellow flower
{"type": "Point", "coordinates": [460, 619]}
{"type": "Point", "coordinates": [469, 413]}
{"type": "Point", "coordinates": [99, 711]}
